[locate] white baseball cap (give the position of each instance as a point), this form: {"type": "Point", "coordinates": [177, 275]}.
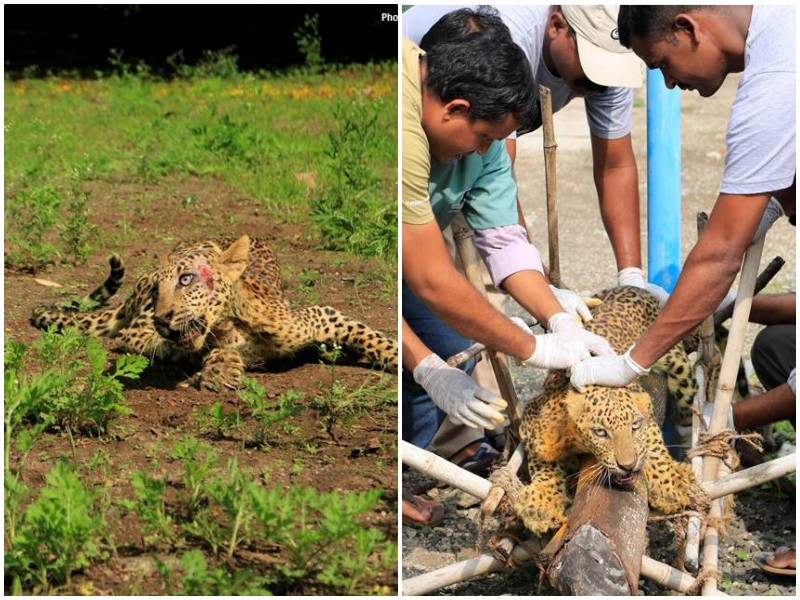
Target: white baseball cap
{"type": "Point", "coordinates": [604, 60]}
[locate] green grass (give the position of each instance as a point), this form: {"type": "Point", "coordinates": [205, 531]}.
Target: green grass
{"type": "Point", "coordinates": [266, 135]}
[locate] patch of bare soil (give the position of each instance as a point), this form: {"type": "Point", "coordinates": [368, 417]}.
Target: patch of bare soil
{"type": "Point", "coordinates": [141, 223]}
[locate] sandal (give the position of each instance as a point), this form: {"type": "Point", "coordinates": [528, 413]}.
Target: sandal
{"type": "Point", "coordinates": [481, 460]}
{"type": "Point", "coordinates": [434, 510]}
{"type": "Point", "coordinates": [789, 567]}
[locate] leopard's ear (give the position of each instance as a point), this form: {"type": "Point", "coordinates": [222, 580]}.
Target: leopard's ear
{"type": "Point", "coordinates": [233, 261]}
{"type": "Point", "coordinates": [574, 404]}
{"type": "Point", "coordinates": [642, 401]}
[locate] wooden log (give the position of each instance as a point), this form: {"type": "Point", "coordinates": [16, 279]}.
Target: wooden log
{"type": "Point", "coordinates": [600, 551]}
{"type": "Point", "coordinates": [549, 140]}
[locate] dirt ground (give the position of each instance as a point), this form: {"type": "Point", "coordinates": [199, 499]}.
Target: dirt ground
{"type": "Point", "coordinates": [587, 264]}
{"type": "Point", "coordinates": [155, 218]}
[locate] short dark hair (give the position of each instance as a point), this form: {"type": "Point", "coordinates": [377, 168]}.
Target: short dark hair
{"type": "Point", "coordinates": [470, 55]}
{"type": "Point", "coordinates": [647, 21]}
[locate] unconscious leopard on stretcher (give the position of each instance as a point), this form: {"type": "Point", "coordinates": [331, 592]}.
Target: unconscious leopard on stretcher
{"type": "Point", "coordinates": [221, 302]}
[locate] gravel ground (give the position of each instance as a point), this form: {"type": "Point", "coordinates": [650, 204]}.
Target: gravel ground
{"type": "Point", "coordinates": [765, 518]}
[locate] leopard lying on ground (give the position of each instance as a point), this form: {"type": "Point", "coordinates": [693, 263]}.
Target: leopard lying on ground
{"type": "Point", "coordinates": [220, 302]}
{"type": "Point", "coordinates": [616, 425]}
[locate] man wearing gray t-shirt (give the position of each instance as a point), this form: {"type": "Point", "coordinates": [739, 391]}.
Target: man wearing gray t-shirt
{"type": "Point", "coordinates": [696, 47]}
{"type": "Point", "coordinates": [567, 56]}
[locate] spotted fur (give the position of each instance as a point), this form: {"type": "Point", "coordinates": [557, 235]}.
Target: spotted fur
{"type": "Point", "coordinates": [221, 302]}
{"type": "Point", "coordinates": [615, 425]}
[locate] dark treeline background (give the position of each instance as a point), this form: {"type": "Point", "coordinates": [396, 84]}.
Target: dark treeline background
{"type": "Point", "coordinates": [80, 37]}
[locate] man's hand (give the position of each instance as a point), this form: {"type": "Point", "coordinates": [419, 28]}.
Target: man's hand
{"type": "Point", "coordinates": [772, 213]}
{"type": "Point", "coordinates": [613, 371]}
{"type": "Point", "coordinates": [634, 276]}
{"type": "Point", "coordinates": [566, 323]}
{"type": "Point", "coordinates": [572, 303]}
{"type": "Point", "coordinates": [562, 349]}
{"type": "Point", "coordinates": [457, 394]}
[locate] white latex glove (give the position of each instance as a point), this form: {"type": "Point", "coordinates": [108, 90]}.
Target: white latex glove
{"type": "Point", "coordinates": [791, 381]}
{"type": "Point", "coordinates": [772, 213]}
{"type": "Point", "coordinates": [613, 371]}
{"type": "Point", "coordinates": [563, 349]}
{"type": "Point", "coordinates": [634, 276]}
{"type": "Point", "coordinates": [457, 394]}
{"type": "Point", "coordinates": [572, 303]}
{"type": "Point", "coordinates": [726, 303]}
{"type": "Point", "coordinates": [563, 322]}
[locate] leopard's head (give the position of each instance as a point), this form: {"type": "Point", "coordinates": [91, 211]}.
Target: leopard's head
{"type": "Point", "coordinates": [193, 290]}
{"type": "Point", "coordinates": [611, 424]}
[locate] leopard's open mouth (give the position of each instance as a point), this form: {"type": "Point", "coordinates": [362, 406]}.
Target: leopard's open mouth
{"type": "Point", "coordinates": [187, 335]}
{"type": "Point", "coordinates": [626, 480]}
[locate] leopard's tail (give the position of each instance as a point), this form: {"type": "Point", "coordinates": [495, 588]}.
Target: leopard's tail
{"type": "Point", "coordinates": [101, 321]}
{"type": "Point", "coordinates": [101, 295]}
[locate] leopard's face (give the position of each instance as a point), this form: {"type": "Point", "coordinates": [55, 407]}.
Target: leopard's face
{"type": "Point", "coordinates": [611, 423]}
{"type": "Point", "coordinates": [193, 289]}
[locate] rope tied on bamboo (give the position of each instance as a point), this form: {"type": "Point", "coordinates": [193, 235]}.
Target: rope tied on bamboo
{"type": "Point", "coordinates": [507, 480]}
{"type": "Point", "coordinates": [704, 574]}
{"type": "Point", "coordinates": [720, 446]}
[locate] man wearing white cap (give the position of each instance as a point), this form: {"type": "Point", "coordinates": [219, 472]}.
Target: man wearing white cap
{"type": "Point", "coordinates": [575, 51]}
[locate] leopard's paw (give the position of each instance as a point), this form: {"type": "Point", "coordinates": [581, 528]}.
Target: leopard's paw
{"type": "Point", "coordinates": [541, 509]}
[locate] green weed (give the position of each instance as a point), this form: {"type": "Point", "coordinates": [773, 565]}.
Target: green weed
{"type": "Point", "coordinates": [77, 233]}
{"type": "Point", "coordinates": [340, 406]}
{"type": "Point", "coordinates": [197, 579]}
{"type": "Point", "coordinates": [309, 43]}
{"type": "Point", "coordinates": [56, 534]}
{"type": "Point", "coordinates": [32, 214]}
{"type": "Point", "coordinates": [77, 392]}
{"type": "Point", "coordinates": [355, 213]}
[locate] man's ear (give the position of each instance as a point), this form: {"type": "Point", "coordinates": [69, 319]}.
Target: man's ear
{"type": "Point", "coordinates": [233, 261]}
{"type": "Point", "coordinates": [556, 22]}
{"type": "Point", "coordinates": [456, 108]}
{"type": "Point", "coordinates": [687, 24]}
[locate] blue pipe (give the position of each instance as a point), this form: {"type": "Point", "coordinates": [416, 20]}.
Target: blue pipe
{"type": "Point", "coordinates": [663, 182]}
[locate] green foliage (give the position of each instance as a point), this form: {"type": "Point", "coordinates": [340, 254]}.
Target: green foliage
{"type": "Point", "coordinates": [56, 534]}
{"type": "Point", "coordinates": [354, 213]}
{"type": "Point", "coordinates": [309, 43]}
{"type": "Point", "coordinates": [269, 414]}
{"type": "Point", "coordinates": [321, 534]}
{"type": "Point", "coordinates": [76, 231]}
{"type": "Point", "coordinates": [73, 389]}
{"type": "Point", "coordinates": [267, 135]}
{"type": "Point", "coordinates": [32, 213]}
{"type": "Point", "coordinates": [151, 505]}
{"type": "Point", "coordinates": [338, 405]}
{"type": "Point", "coordinates": [785, 430]}
{"type": "Point", "coordinates": [198, 580]}
{"type": "Point", "coordinates": [222, 64]}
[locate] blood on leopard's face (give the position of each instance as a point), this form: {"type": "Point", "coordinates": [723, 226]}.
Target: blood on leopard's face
{"type": "Point", "coordinates": [206, 276]}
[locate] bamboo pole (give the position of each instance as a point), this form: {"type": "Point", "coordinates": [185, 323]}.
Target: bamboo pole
{"type": "Point", "coordinates": [470, 259]}
{"type": "Point", "coordinates": [443, 470]}
{"type": "Point", "coordinates": [423, 585]}
{"type": "Point", "coordinates": [706, 353]}
{"type": "Point", "coordinates": [733, 351]}
{"type": "Point", "coordinates": [550, 146]}
{"type": "Point", "coordinates": [748, 478]}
